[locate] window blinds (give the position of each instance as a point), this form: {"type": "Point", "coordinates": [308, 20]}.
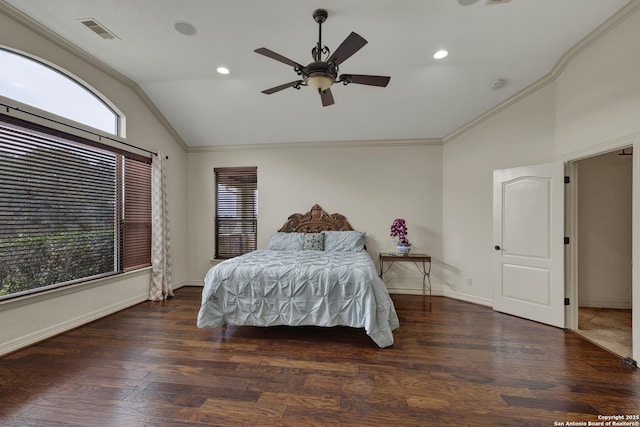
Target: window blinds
{"type": "Point", "coordinates": [136, 217]}
{"type": "Point", "coordinates": [60, 211]}
{"type": "Point", "coordinates": [236, 211]}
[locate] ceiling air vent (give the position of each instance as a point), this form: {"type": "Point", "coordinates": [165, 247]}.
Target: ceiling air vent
{"type": "Point", "coordinates": [98, 28]}
{"type": "Point", "coordinates": [490, 2]}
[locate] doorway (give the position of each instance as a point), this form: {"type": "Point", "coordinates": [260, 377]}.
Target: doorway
{"type": "Point", "coordinates": [604, 250]}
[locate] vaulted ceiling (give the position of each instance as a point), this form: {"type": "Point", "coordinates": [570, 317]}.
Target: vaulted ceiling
{"type": "Point", "coordinates": [516, 42]}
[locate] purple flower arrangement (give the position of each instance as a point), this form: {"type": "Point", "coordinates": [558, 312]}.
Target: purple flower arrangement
{"type": "Point", "coordinates": [399, 230]}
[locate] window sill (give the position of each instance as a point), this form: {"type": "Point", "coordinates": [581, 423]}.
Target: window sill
{"type": "Point", "coordinates": [65, 290]}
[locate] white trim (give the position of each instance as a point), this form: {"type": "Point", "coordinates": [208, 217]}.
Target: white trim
{"type": "Point", "coordinates": [44, 63]}
{"type": "Point", "coordinates": [191, 283]}
{"type": "Point", "coordinates": [571, 251]}
{"type": "Point", "coordinates": [617, 18]}
{"type": "Point", "coordinates": [414, 291]}
{"type": "Point", "coordinates": [319, 144]}
{"type": "Point", "coordinates": [474, 299]}
{"type": "Point", "coordinates": [635, 253]}
{"type": "Point", "coordinates": [633, 140]}
{"type": "Point", "coordinates": [32, 25]}
{"type": "Point", "coordinates": [65, 326]}
{"type": "Point", "coordinates": [571, 218]}
{"type": "Point", "coordinates": [59, 328]}
{"type": "Point", "coordinates": [70, 289]}
{"type": "Point", "coordinates": [599, 303]}
{"type": "Point", "coordinates": [49, 120]}
{"type": "Point", "coordinates": [595, 35]}
{"type": "Point", "coordinates": [602, 148]}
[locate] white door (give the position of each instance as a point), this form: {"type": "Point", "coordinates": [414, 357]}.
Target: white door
{"type": "Point", "coordinates": [528, 232]}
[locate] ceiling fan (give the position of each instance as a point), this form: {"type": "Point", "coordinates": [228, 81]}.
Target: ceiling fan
{"type": "Point", "coordinates": [321, 74]}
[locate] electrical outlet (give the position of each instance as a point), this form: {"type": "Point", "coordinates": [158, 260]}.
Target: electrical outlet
{"type": "Point", "coordinates": [469, 282]}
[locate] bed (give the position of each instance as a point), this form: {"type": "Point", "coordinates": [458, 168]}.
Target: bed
{"type": "Point", "coordinates": [315, 271]}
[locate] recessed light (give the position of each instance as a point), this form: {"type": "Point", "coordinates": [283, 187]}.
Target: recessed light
{"type": "Point", "coordinates": [185, 28]}
{"type": "Point", "coordinates": [222, 70]}
{"type": "Point", "coordinates": [441, 54]}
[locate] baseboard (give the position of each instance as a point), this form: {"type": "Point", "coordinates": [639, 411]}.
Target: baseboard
{"type": "Point", "coordinates": [54, 330]}
{"type": "Point", "coordinates": [451, 293]}
{"type": "Point", "coordinates": [599, 303]}
{"type": "Point", "coordinates": [415, 291]}
{"type": "Point", "coordinates": [198, 283]}
{"type": "Point", "coordinates": [443, 291]}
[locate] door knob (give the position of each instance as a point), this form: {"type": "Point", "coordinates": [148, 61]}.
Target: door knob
{"type": "Point", "coordinates": [496, 247]}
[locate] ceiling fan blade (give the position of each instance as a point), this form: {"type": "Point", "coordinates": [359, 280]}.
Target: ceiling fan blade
{"type": "Point", "coordinates": [281, 87]}
{"type": "Point", "coordinates": [349, 46]}
{"type": "Point", "coordinates": [271, 54]}
{"type": "Point", "coordinates": [363, 79]}
{"type": "Point", "coordinates": [327, 97]}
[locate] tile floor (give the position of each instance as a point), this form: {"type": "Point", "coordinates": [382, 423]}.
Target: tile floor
{"type": "Point", "coordinates": [607, 327]}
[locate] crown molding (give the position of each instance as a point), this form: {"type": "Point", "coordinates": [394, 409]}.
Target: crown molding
{"type": "Point", "coordinates": [320, 144]}
{"type": "Point", "coordinates": [608, 146]}
{"type": "Point", "coordinates": [44, 32]}
{"type": "Point", "coordinates": [620, 16]}
{"type": "Point", "coordinates": [617, 18]}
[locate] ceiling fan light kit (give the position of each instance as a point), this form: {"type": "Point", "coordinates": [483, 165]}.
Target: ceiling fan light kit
{"type": "Point", "coordinates": [321, 74]}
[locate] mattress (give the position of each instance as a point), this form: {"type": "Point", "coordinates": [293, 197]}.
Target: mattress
{"type": "Point", "coordinates": [299, 288]}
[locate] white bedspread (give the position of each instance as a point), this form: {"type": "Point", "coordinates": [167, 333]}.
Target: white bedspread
{"type": "Point", "coordinates": [296, 288]}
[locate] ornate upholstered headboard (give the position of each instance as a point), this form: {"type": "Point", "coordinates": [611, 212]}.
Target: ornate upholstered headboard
{"type": "Point", "coordinates": [315, 221]}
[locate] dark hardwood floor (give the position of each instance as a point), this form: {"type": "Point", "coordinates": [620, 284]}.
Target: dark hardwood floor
{"type": "Point", "coordinates": [458, 365]}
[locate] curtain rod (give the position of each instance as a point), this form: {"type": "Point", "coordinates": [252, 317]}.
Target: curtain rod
{"type": "Point", "coordinates": [12, 107]}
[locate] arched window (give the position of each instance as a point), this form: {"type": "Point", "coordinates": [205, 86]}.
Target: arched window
{"type": "Point", "coordinates": [34, 83]}
{"type": "Point", "coordinates": [72, 209]}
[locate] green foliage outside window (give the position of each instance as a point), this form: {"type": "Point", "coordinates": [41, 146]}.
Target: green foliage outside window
{"type": "Point", "coordinates": [59, 254]}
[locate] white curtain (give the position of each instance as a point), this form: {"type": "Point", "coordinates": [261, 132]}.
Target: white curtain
{"type": "Point", "coordinates": [160, 243]}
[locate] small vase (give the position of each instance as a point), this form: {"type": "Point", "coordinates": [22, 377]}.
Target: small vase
{"type": "Point", "coordinates": [404, 248]}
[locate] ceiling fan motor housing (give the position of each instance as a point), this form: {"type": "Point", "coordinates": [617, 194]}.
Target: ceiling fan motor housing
{"type": "Point", "coordinates": [320, 75]}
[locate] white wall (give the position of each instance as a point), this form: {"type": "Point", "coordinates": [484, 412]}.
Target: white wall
{"type": "Point", "coordinates": [598, 93]}
{"type": "Point", "coordinates": [598, 109]}
{"type": "Point", "coordinates": [444, 192]}
{"type": "Point", "coordinates": [29, 319]}
{"type": "Point", "coordinates": [594, 100]}
{"type": "Point", "coordinates": [592, 106]}
{"type": "Point", "coordinates": [519, 135]}
{"type": "Point", "coordinates": [370, 183]}
{"type": "Point", "coordinates": [604, 230]}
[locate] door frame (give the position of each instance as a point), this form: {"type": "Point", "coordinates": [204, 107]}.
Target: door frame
{"type": "Point", "coordinates": [571, 231]}
{"type": "Point", "coordinates": [571, 251]}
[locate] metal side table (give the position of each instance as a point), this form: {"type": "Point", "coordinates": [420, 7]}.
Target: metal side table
{"type": "Point", "coordinates": [421, 261]}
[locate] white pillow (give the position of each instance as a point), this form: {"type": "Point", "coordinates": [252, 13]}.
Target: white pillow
{"type": "Point", "coordinates": [286, 241]}
{"type": "Point", "coordinates": [344, 241]}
